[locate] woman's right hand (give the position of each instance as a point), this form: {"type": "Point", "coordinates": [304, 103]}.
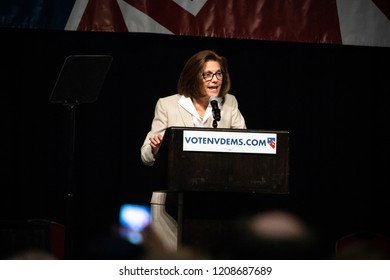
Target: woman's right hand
{"type": "Point", "coordinates": [155, 143]}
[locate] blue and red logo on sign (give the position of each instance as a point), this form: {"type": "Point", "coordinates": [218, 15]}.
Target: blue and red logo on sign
{"type": "Point", "coordinates": [272, 142]}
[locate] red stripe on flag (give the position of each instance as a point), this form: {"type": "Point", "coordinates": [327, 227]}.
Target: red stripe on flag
{"type": "Point", "coordinates": [299, 20]}
{"type": "Point", "coordinates": [102, 15]}
{"type": "Point", "coordinates": [167, 13]}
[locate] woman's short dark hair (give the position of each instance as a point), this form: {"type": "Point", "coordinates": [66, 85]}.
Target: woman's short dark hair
{"type": "Point", "coordinates": [191, 81]}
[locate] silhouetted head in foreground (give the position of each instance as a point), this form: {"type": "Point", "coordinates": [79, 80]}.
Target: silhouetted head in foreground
{"type": "Point", "coordinates": [272, 235]}
{"type": "Point", "coordinates": [363, 245]}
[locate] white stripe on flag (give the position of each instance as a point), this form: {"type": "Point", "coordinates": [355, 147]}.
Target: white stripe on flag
{"type": "Point", "coordinates": [362, 23]}
{"type": "Point", "coordinates": [192, 7]}
{"type": "Point", "coordinates": [136, 21]}
{"type": "Point", "coordinates": [76, 14]}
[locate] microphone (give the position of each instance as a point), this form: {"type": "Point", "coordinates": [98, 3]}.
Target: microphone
{"type": "Point", "coordinates": [214, 105]}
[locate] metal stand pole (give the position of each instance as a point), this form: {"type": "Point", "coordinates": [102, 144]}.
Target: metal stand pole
{"type": "Point", "coordinates": [69, 227]}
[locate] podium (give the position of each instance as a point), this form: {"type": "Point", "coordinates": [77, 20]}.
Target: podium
{"type": "Point", "coordinates": [210, 176]}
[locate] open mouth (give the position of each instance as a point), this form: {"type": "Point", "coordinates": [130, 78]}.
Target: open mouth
{"type": "Point", "coordinates": [213, 88]}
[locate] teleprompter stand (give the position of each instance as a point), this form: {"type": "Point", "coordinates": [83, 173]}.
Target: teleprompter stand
{"type": "Point", "coordinates": [80, 81]}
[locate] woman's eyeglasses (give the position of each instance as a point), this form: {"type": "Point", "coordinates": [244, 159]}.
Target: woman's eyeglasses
{"type": "Point", "coordinates": [208, 76]}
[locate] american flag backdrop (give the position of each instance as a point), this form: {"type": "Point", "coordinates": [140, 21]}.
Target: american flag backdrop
{"type": "Point", "coordinates": [348, 22]}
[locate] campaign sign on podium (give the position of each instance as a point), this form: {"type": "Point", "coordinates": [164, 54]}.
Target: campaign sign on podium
{"type": "Point", "coordinates": [237, 160]}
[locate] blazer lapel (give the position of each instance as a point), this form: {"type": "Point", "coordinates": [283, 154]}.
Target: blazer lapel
{"type": "Point", "coordinates": [186, 117]}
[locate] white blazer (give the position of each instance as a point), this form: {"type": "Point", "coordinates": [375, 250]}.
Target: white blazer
{"type": "Point", "coordinates": [169, 112]}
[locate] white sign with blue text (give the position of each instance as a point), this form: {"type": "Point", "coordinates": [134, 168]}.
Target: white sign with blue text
{"type": "Point", "coordinates": [229, 142]}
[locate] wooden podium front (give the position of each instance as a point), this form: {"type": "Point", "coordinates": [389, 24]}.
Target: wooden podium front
{"type": "Point", "coordinates": [202, 190]}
